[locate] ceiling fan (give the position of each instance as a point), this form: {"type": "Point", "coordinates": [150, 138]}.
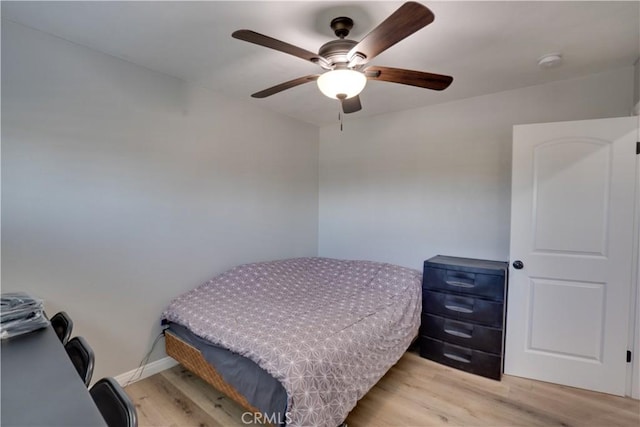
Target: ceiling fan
{"type": "Point", "coordinates": [346, 61]}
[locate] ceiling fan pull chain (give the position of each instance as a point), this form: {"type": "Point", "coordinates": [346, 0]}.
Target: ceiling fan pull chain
{"type": "Point", "coordinates": [340, 117]}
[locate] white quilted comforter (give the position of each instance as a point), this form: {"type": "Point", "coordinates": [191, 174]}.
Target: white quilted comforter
{"type": "Point", "coordinates": [327, 329]}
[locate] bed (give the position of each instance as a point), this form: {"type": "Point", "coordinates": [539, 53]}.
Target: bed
{"type": "Point", "coordinates": [299, 341]}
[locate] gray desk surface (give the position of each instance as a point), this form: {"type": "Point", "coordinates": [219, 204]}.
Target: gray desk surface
{"type": "Point", "coordinates": [40, 385]}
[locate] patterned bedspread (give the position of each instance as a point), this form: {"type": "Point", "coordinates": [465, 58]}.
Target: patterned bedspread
{"type": "Point", "coordinates": [327, 329]}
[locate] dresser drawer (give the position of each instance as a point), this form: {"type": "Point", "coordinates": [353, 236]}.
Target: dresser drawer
{"type": "Point", "coordinates": [463, 308]}
{"type": "Point", "coordinates": [464, 282]}
{"type": "Point", "coordinates": [474, 361]}
{"type": "Point", "coordinates": [466, 334]}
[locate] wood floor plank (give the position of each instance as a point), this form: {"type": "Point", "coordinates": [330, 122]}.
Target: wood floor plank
{"type": "Point", "coordinates": [414, 393]}
{"type": "Point", "coordinates": [222, 409]}
{"type": "Point", "coordinates": [170, 406]}
{"type": "Point", "coordinates": [417, 392]}
{"type": "Point", "coordinates": [147, 407]}
{"type": "Point", "coordinates": [584, 406]}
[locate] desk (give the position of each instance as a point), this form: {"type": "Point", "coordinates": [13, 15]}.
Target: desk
{"type": "Point", "coordinates": [40, 385]}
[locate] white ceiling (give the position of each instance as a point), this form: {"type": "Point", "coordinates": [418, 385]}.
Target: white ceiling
{"type": "Point", "coordinates": [486, 46]}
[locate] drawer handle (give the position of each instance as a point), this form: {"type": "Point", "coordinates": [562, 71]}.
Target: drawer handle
{"type": "Point", "coordinates": [458, 308]}
{"type": "Point", "coordinates": [457, 333]}
{"type": "Point", "coordinates": [459, 284]}
{"type": "Point", "coordinates": [457, 358]}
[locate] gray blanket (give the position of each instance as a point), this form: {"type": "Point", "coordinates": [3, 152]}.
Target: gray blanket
{"type": "Point", "coordinates": [327, 329]}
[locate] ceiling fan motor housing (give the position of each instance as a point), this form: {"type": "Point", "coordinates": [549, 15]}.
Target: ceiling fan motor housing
{"type": "Point", "coordinates": [336, 51]}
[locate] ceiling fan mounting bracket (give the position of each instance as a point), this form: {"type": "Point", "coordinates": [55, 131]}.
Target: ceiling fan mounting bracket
{"type": "Point", "coordinates": [341, 26]}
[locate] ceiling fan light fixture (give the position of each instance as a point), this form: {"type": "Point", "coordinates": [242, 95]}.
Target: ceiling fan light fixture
{"type": "Point", "coordinates": [346, 83]}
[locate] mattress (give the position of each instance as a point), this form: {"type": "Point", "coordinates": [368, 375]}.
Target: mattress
{"type": "Point", "coordinates": [254, 383]}
{"type": "Point", "coordinates": [326, 329]}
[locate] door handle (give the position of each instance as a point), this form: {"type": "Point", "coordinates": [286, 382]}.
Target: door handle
{"type": "Point", "coordinates": [517, 264]}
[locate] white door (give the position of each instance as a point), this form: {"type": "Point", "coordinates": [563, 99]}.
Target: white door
{"type": "Point", "coordinates": [572, 210]}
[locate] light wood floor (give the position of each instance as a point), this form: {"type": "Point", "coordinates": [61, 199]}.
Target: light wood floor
{"type": "Point", "coordinates": [415, 392]}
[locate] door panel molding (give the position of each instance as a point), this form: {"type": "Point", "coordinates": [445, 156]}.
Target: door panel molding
{"type": "Point", "coordinates": [559, 159]}
{"type": "Point", "coordinates": [547, 310]}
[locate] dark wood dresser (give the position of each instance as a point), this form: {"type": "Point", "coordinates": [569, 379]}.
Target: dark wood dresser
{"type": "Point", "coordinates": [463, 312]}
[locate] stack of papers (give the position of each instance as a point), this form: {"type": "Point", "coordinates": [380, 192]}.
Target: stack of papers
{"type": "Point", "coordinates": [20, 313]}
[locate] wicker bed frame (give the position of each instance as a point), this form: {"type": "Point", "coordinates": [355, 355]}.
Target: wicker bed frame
{"type": "Point", "coordinates": [192, 359]}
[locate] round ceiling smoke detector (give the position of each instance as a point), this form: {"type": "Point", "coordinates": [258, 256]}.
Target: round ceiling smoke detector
{"type": "Point", "coordinates": [550, 60]}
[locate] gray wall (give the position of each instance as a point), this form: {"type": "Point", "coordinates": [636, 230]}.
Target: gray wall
{"type": "Point", "coordinates": [403, 187]}
{"type": "Point", "coordinates": [123, 187]}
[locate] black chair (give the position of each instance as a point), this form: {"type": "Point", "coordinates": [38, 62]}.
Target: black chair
{"type": "Point", "coordinates": [82, 357]}
{"type": "Point", "coordinates": [114, 404]}
{"type": "Point", "coordinates": [62, 325]}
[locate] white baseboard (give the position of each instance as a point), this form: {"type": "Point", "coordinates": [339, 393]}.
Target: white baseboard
{"type": "Point", "coordinates": [147, 370]}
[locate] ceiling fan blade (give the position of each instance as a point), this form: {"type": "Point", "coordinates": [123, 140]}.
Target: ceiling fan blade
{"type": "Point", "coordinates": [351, 105]}
{"type": "Point", "coordinates": [408, 77]}
{"type": "Point", "coordinates": [270, 42]}
{"type": "Point", "coordinates": [286, 85]}
{"type": "Point", "coordinates": [409, 18]}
